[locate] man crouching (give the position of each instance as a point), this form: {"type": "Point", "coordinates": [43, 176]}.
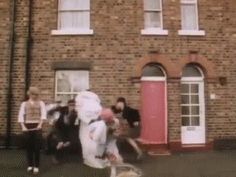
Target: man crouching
{"type": "Point", "coordinates": [104, 150]}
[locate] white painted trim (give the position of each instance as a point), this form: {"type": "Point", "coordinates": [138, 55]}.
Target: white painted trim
{"type": "Point", "coordinates": [154, 31]}
{"type": "Point", "coordinates": [188, 1]}
{"type": "Point", "coordinates": [191, 32]}
{"type": "Point", "coordinates": [192, 79]}
{"type": "Point", "coordinates": [153, 79]}
{"type": "Point", "coordinates": [73, 32]}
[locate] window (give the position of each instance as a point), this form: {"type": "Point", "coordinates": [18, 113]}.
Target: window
{"type": "Point", "coordinates": [152, 71]}
{"type": "Point", "coordinates": [73, 17]}
{"type": "Point", "coordinates": [189, 14]}
{"type": "Point", "coordinates": [69, 83]}
{"type": "Point", "coordinates": [190, 104]}
{"type": "Point", "coordinates": [189, 18]}
{"type": "Point", "coordinates": [153, 19]}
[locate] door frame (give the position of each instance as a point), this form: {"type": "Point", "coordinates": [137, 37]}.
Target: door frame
{"type": "Point", "coordinates": [157, 79]}
{"type": "Point", "coordinates": [200, 82]}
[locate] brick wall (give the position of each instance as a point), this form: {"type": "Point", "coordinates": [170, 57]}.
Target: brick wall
{"type": "Point", "coordinates": [117, 46]}
{"type": "Point", "coordinates": [4, 58]}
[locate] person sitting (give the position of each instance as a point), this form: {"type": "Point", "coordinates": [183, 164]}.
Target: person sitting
{"type": "Point", "coordinates": [64, 134]}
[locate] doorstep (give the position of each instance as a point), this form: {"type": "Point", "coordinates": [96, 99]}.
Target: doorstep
{"type": "Point", "coordinates": [179, 147]}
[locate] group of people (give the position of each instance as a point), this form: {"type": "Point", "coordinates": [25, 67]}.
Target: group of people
{"type": "Point", "coordinates": [99, 129]}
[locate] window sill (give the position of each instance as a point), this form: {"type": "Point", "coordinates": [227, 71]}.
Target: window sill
{"type": "Point", "coordinates": [154, 32]}
{"type": "Point", "coordinates": [191, 33]}
{"type": "Point", "coordinates": [73, 32]}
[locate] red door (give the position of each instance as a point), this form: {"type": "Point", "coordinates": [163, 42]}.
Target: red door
{"type": "Point", "coordinates": [153, 112]}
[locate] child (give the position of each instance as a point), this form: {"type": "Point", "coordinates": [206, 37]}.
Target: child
{"type": "Point", "coordinates": [31, 115]}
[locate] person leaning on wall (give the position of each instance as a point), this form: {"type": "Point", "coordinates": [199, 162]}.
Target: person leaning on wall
{"type": "Point", "coordinates": [31, 117]}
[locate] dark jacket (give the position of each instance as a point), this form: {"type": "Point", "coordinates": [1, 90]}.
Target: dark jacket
{"type": "Point", "coordinates": [64, 130]}
{"type": "Point", "coordinates": [130, 114]}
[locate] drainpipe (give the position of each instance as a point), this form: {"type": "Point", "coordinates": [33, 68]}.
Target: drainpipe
{"type": "Point", "coordinates": [28, 48]}
{"type": "Point", "coordinates": [10, 69]}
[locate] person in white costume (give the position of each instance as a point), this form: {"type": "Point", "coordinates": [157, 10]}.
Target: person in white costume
{"type": "Point", "coordinates": [105, 151]}
{"type": "Point", "coordinates": [89, 108]}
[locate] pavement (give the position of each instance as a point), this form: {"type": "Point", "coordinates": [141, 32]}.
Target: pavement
{"type": "Point", "coordinates": [201, 164]}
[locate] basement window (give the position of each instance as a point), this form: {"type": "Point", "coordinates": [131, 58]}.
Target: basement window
{"type": "Point", "coordinates": [70, 83]}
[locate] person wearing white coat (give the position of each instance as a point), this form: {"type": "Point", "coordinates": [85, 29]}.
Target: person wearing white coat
{"type": "Point", "coordinates": [89, 108]}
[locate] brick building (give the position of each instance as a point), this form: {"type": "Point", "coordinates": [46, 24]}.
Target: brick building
{"type": "Point", "coordinates": [172, 59]}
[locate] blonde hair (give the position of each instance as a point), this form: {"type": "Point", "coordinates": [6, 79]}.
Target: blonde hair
{"type": "Point", "coordinates": [33, 90]}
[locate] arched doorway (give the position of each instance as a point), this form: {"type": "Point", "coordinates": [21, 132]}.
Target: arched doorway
{"type": "Point", "coordinates": [192, 106]}
{"type": "Point", "coordinates": [153, 105]}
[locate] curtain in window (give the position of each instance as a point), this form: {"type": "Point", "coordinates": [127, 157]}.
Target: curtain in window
{"type": "Point", "coordinates": [189, 17]}
{"type": "Point", "coordinates": [152, 4]}
{"type": "Point", "coordinates": [152, 19]}
{"type": "Point", "coordinates": [74, 14]}
{"type": "Point", "coordinates": [152, 13]}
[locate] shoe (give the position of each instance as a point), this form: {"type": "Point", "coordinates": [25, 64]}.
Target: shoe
{"type": "Point", "coordinates": [29, 169]}
{"type": "Point", "coordinates": [140, 156]}
{"type": "Point", "coordinates": [35, 170]}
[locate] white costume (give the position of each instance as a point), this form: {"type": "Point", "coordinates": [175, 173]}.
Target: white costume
{"type": "Point", "coordinates": [112, 141]}
{"type": "Point", "coordinates": [88, 108]}
{"type": "Point", "coordinates": [98, 134]}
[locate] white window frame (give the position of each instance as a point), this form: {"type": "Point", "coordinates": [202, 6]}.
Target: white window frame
{"type": "Point", "coordinates": [75, 31]}
{"type": "Point", "coordinates": [195, 32]}
{"type": "Point", "coordinates": [71, 91]}
{"type": "Point", "coordinates": [155, 31]}
{"type": "Point", "coordinates": [188, 81]}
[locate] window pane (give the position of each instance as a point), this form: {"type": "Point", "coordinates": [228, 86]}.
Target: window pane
{"type": "Point", "coordinates": [195, 99]}
{"type": "Point", "coordinates": [152, 70]}
{"type": "Point", "coordinates": [152, 20]}
{"type": "Point", "coordinates": [195, 110]}
{"type": "Point", "coordinates": [79, 81]}
{"type": "Point", "coordinates": [195, 121]}
{"type": "Point", "coordinates": [83, 4]}
{"type": "Point", "coordinates": [185, 121]}
{"type": "Point", "coordinates": [152, 4]}
{"type": "Point", "coordinates": [63, 84]}
{"type": "Point", "coordinates": [185, 88]}
{"type": "Point", "coordinates": [194, 88]}
{"type": "Point", "coordinates": [188, 1]}
{"type": "Point", "coordinates": [74, 5]}
{"type": "Point", "coordinates": [72, 20]}
{"type": "Point", "coordinates": [191, 71]}
{"type": "Point", "coordinates": [72, 81]}
{"type": "Point", "coordinates": [189, 16]}
{"type": "Point", "coordinates": [185, 99]}
{"type": "Point", "coordinates": [185, 110]}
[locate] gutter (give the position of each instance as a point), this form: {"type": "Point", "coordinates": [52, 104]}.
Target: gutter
{"type": "Point", "coordinates": [11, 62]}
{"type": "Point", "coordinates": [28, 49]}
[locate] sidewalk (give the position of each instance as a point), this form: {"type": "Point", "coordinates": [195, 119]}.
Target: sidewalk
{"type": "Point", "coordinates": [208, 164]}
